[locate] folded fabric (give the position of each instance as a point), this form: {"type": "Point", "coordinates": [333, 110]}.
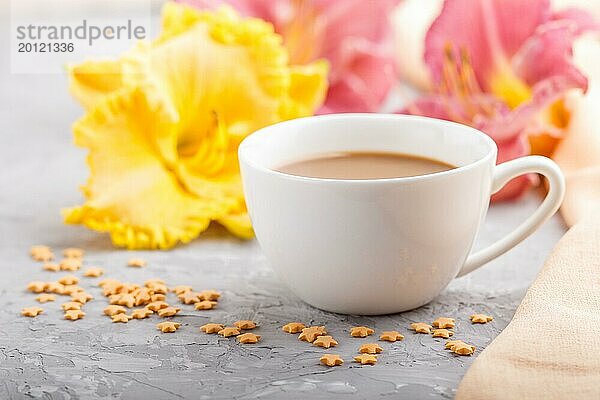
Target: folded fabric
{"type": "Point", "coordinates": [551, 348]}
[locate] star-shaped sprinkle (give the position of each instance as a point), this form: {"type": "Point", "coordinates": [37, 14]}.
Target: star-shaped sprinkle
{"type": "Point", "coordinates": [370, 348]}
{"type": "Point", "coordinates": [126, 300]}
{"type": "Point", "coordinates": [124, 318]}
{"type": "Point", "coordinates": [211, 328]}
{"type": "Point", "coordinates": [71, 305]}
{"type": "Point", "coordinates": [365, 359]}
{"type": "Point", "coordinates": [443, 322]}
{"type": "Point", "coordinates": [81, 297]}
{"type": "Point", "coordinates": [41, 253]}
{"type": "Point", "coordinates": [181, 289]}
{"type": "Point", "coordinates": [311, 333]}
{"type": "Point", "coordinates": [74, 315]}
{"type": "Point", "coordinates": [70, 264]}
{"type": "Point", "coordinates": [421, 327]}
{"type": "Point", "coordinates": [158, 297]}
{"type": "Point", "coordinates": [331, 360]}
{"type": "Point", "coordinates": [293, 327]}
{"type": "Point", "coordinates": [108, 281]}
{"type": "Point", "coordinates": [391, 336]}
{"type": "Point", "coordinates": [451, 343]}
{"type": "Point", "coordinates": [168, 311]}
{"type": "Point", "coordinates": [53, 267]}
{"type": "Point", "coordinates": [36, 286]}
{"type": "Point", "coordinates": [73, 252]}
{"type": "Point", "coordinates": [211, 295]}
{"type": "Point", "coordinates": [157, 305]}
{"type": "Point", "coordinates": [93, 272]}
{"type": "Point", "coordinates": [154, 281]}
{"type": "Point", "coordinates": [69, 280]}
{"type": "Point", "coordinates": [55, 287]}
{"type": "Point", "coordinates": [141, 313]}
{"type": "Point", "coordinates": [136, 263]}
{"type": "Point", "coordinates": [361, 331]}
{"type": "Point", "coordinates": [114, 310]}
{"type": "Point", "coordinates": [31, 311]}
{"type": "Point", "coordinates": [205, 305]}
{"type": "Point", "coordinates": [481, 318]}
{"type": "Point", "coordinates": [229, 331]}
{"type": "Point", "coordinates": [325, 341]}
{"type": "Point", "coordinates": [463, 349]}
{"type": "Point", "coordinates": [189, 297]}
{"type": "Point", "coordinates": [245, 324]}
{"type": "Point", "coordinates": [142, 298]}
{"type": "Point", "coordinates": [44, 298]}
{"type": "Point", "coordinates": [70, 289]}
{"type": "Point", "coordinates": [158, 288]}
{"type": "Point", "coordinates": [248, 338]}
{"type": "Point", "coordinates": [443, 333]}
{"type": "Point", "coordinates": [168, 326]}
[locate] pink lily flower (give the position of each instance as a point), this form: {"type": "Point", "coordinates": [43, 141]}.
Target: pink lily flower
{"type": "Point", "coordinates": [503, 66]}
{"type": "Point", "coordinates": [355, 36]}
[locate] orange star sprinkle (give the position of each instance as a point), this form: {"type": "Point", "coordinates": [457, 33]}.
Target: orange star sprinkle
{"type": "Point", "coordinates": [124, 318]}
{"type": "Point", "coordinates": [421, 327]}
{"type": "Point", "coordinates": [55, 287]}
{"type": "Point", "coordinates": [391, 336]}
{"type": "Point", "coordinates": [71, 305]}
{"type": "Point", "coordinates": [370, 348]}
{"type": "Point", "coordinates": [44, 298]}
{"type": "Point", "coordinates": [211, 295]}
{"type": "Point", "coordinates": [481, 318]}
{"type": "Point", "coordinates": [141, 313]}
{"type": "Point", "coordinates": [168, 311]}
{"type": "Point", "coordinates": [114, 310]}
{"type": "Point", "coordinates": [81, 297]}
{"type": "Point", "coordinates": [311, 333]}
{"type": "Point", "coordinates": [443, 322]}
{"type": "Point", "coordinates": [31, 311]}
{"type": "Point", "coordinates": [443, 333]}
{"type": "Point", "coordinates": [74, 315]}
{"type": "Point", "coordinates": [93, 272]}
{"type": "Point", "coordinates": [245, 324]}
{"type": "Point", "coordinates": [325, 341]}
{"type": "Point", "coordinates": [211, 328]}
{"type": "Point", "coordinates": [189, 297]}
{"type": "Point", "coordinates": [366, 359]}
{"type": "Point", "coordinates": [229, 331]}
{"type": "Point", "coordinates": [331, 360]}
{"type": "Point", "coordinates": [248, 338]}
{"type": "Point", "coordinates": [36, 286]}
{"type": "Point", "coordinates": [73, 252]}
{"type": "Point", "coordinates": [168, 326]}
{"type": "Point", "coordinates": [361, 331]}
{"type": "Point", "coordinates": [53, 267]}
{"type": "Point", "coordinates": [157, 305]}
{"type": "Point", "coordinates": [70, 264]}
{"type": "Point", "coordinates": [181, 289]}
{"type": "Point", "coordinates": [41, 253]}
{"type": "Point", "coordinates": [463, 349]}
{"type": "Point", "coordinates": [205, 305]}
{"type": "Point", "coordinates": [293, 327]}
{"type": "Point", "coordinates": [69, 280]}
{"type": "Point", "coordinates": [136, 263]}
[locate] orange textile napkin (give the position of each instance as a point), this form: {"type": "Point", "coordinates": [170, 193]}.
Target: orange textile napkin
{"type": "Point", "coordinates": [551, 348]}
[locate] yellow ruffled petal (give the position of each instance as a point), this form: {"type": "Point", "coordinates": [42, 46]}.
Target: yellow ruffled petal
{"type": "Point", "coordinates": [163, 132]}
{"type": "Point", "coordinates": [130, 192]}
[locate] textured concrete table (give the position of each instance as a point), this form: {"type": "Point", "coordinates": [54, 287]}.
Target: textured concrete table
{"type": "Point", "coordinates": [48, 357]}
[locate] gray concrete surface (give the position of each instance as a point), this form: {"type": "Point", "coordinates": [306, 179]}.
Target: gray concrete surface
{"type": "Point", "coordinates": [50, 358]}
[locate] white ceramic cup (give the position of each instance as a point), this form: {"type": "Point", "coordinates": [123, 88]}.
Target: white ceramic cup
{"type": "Point", "coordinates": [379, 246]}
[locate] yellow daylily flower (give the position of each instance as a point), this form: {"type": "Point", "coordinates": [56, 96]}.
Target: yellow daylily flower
{"type": "Point", "coordinates": [165, 120]}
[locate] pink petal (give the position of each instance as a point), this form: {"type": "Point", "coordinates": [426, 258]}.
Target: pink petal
{"type": "Point", "coordinates": [492, 31]}
{"type": "Point", "coordinates": [549, 55]}
{"type": "Point", "coordinates": [582, 20]}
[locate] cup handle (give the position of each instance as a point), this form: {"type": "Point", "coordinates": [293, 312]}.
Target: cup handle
{"type": "Point", "coordinates": [502, 175]}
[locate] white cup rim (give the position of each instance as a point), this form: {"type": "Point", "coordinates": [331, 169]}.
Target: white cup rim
{"type": "Point", "coordinates": [259, 135]}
